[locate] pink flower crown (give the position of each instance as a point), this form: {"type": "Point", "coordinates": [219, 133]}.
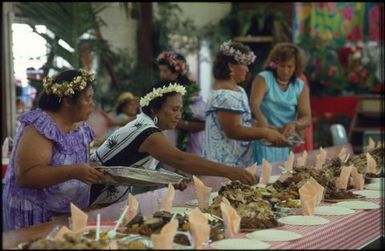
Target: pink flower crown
{"type": "Point", "coordinates": [237, 54]}
{"type": "Point", "coordinates": [178, 65]}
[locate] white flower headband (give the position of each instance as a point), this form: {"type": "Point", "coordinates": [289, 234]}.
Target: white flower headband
{"type": "Point", "coordinates": [237, 54]}
{"type": "Point", "coordinates": [158, 92]}
{"type": "Point", "coordinates": [66, 88]}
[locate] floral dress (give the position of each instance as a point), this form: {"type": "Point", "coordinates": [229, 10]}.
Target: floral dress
{"type": "Point", "coordinates": [216, 146]}
{"type": "Point", "coordinates": [24, 206]}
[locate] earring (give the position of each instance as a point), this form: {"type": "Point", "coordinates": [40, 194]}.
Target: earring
{"type": "Point", "coordinates": [155, 120]}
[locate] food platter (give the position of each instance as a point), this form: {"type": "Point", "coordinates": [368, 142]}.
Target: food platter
{"type": "Point", "coordinates": [138, 176]}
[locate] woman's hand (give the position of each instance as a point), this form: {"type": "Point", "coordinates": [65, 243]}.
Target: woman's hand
{"type": "Point", "coordinates": [241, 174]}
{"type": "Point", "coordinates": [87, 174]}
{"type": "Point", "coordinates": [288, 129]}
{"type": "Point", "coordinates": [275, 137]}
{"type": "Point", "coordinates": [181, 185]}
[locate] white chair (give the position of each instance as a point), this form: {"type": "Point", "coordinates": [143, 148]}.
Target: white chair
{"type": "Point", "coordinates": [339, 136]}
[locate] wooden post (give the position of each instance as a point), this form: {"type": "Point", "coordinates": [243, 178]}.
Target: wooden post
{"type": "Point", "coordinates": [145, 35]}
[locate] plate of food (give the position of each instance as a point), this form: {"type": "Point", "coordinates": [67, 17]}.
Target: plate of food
{"type": "Point", "coordinates": [303, 220]}
{"type": "Point", "coordinates": [332, 210]}
{"type": "Point", "coordinates": [273, 235]}
{"type": "Point", "coordinates": [358, 204]}
{"type": "Point", "coordinates": [239, 244]}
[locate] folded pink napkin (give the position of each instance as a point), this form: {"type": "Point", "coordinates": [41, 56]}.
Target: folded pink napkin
{"type": "Point", "coordinates": [357, 178]}
{"type": "Point", "coordinates": [318, 188]}
{"type": "Point", "coordinates": [203, 193]}
{"type": "Point", "coordinates": [342, 181]}
{"type": "Point", "coordinates": [165, 238]}
{"type": "Point", "coordinates": [166, 202]}
{"type": "Point", "coordinates": [371, 164]}
{"type": "Point", "coordinates": [342, 154]}
{"type": "Point", "coordinates": [308, 196]}
{"type": "Point", "coordinates": [371, 144]}
{"type": "Point", "coordinates": [79, 219]}
{"type": "Point", "coordinates": [266, 171]}
{"type": "Point", "coordinates": [199, 228]}
{"type": "Point", "coordinates": [113, 245]}
{"type": "Point", "coordinates": [321, 158]}
{"type": "Point", "coordinates": [231, 219]}
{"type": "Point", "coordinates": [301, 161]}
{"type": "Point", "coordinates": [252, 169]}
{"type": "Point", "coordinates": [379, 144]}
{"type": "Point", "coordinates": [63, 230]}
{"type": "Point", "coordinates": [133, 206]}
{"type": "Point", "coordinates": [290, 162]}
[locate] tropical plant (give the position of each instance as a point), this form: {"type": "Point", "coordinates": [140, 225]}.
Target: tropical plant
{"type": "Point", "coordinates": [77, 25]}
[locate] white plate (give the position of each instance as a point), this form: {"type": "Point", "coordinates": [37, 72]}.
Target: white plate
{"type": "Point", "coordinates": [303, 220]}
{"type": "Point", "coordinates": [370, 194]}
{"type": "Point", "coordinates": [357, 204]}
{"type": "Point", "coordinates": [194, 202]}
{"type": "Point", "coordinates": [376, 180]}
{"type": "Point", "coordinates": [273, 178]}
{"type": "Point", "coordinates": [273, 235]}
{"type": "Point", "coordinates": [239, 244]}
{"type": "Point", "coordinates": [332, 210]}
{"type": "Point", "coordinates": [373, 186]}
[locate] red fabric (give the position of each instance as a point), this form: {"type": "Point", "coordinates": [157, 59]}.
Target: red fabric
{"type": "Point", "coordinates": [345, 105]}
{"type": "Point", "coordinates": [3, 170]}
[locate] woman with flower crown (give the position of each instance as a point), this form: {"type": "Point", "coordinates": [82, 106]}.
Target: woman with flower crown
{"type": "Point", "coordinates": [49, 164]}
{"type": "Point", "coordinates": [141, 143]}
{"type": "Point", "coordinates": [229, 129]}
{"type": "Point", "coordinates": [280, 100]}
{"type": "Point", "coordinates": [189, 137]}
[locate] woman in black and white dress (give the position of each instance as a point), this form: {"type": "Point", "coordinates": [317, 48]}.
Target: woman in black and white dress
{"type": "Point", "coordinates": [141, 142]}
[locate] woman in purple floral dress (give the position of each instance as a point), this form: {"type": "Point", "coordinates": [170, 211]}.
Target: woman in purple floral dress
{"type": "Point", "coordinates": [49, 164]}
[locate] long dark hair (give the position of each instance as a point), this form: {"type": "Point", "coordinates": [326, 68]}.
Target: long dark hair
{"type": "Point", "coordinates": [52, 102]}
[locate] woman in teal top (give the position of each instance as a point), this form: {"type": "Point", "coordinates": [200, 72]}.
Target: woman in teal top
{"type": "Point", "coordinates": [280, 100]}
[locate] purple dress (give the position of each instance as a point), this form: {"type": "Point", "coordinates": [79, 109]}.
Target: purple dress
{"type": "Point", "coordinates": [23, 206]}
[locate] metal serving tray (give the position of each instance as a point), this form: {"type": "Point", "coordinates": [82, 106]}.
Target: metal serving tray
{"type": "Point", "coordinates": [138, 176]}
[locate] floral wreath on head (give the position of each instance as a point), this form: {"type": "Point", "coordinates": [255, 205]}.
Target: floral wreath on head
{"type": "Point", "coordinates": [67, 88]}
{"type": "Point", "coordinates": [237, 54]}
{"type": "Point", "coordinates": [158, 92]}
{"type": "Point", "coordinates": [178, 65]}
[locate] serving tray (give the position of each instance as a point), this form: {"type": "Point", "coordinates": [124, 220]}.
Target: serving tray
{"type": "Point", "coordinates": [138, 176]}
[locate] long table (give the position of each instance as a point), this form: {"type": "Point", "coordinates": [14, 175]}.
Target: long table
{"type": "Point", "coordinates": [343, 232]}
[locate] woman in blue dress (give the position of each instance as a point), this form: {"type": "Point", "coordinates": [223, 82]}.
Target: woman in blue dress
{"type": "Point", "coordinates": [280, 100]}
{"type": "Point", "coordinates": [229, 129]}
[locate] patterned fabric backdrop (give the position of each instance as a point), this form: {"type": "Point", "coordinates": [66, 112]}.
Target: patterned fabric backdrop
{"type": "Point", "coordinates": [338, 21]}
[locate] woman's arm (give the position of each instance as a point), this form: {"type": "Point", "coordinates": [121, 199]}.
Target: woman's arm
{"type": "Point", "coordinates": [160, 148]}
{"type": "Point", "coordinates": [191, 126]}
{"type": "Point", "coordinates": [32, 169]}
{"type": "Point", "coordinates": [258, 90]}
{"type": "Point", "coordinates": [233, 129]}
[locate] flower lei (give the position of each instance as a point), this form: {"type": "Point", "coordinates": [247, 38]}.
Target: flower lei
{"type": "Point", "coordinates": [184, 136]}
{"type": "Point", "coordinates": [237, 54]}
{"type": "Point", "coordinates": [158, 92]}
{"type": "Point", "coordinates": [66, 88]}
{"type": "Point", "coordinates": [178, 65]}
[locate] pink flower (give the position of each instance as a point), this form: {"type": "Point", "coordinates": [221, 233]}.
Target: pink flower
{"type": "Point", "coordinates": [331, 7]}
{"type": "Point", "coordinates": [353, 78]}
{"type": "Point", "coordinates": [364, 72]}
{"type": "Point", "coordinates": [348, 12]}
